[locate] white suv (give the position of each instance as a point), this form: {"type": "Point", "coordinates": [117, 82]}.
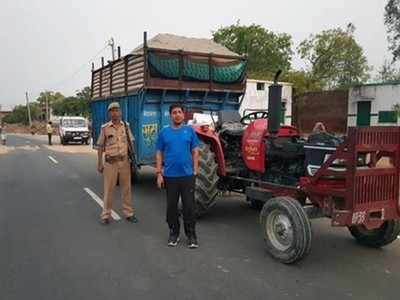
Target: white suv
{"type": "Point", "coordinates": [74, 129]}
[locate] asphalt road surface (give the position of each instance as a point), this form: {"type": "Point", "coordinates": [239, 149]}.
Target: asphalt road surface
{"type": "Point", "coordinates": [53, 247]}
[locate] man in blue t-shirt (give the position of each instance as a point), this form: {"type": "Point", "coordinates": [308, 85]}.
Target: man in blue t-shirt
{"type": "Point", "coordinates": [177, 164]}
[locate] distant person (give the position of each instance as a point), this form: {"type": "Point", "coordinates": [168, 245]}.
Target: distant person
{"type": "Point", "coordinates": [3, 135]}
{"type": "Point", "coordinates": [49, 128]}
{"type": "Point", "coordinates": [177, 165]}
{"type": "Point", "coordinates": [113, 141]}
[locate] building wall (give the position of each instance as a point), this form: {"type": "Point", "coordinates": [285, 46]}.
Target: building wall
{"type": "Point", "coordinates": [258, 98]}
{"type": "Point", "coordinates": [382, 98]}
{"type": "Point", "coordinates": [328, 107]}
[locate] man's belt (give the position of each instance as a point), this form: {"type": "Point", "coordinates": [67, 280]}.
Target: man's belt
{"type": "Point", "coordinates": [113, 159]}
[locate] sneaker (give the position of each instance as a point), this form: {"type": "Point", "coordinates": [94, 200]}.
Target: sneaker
{"type": "Point", "coordinates": [192, 243]}
{"type": "Point", "coordinates": [173, 240]}
{"type": "Point", "coordinates": [105, 221]}
{"type": "Point", "coordinates": [132, 219]}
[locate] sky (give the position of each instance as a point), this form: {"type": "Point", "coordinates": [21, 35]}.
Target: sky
{"type": "Point", "coordinates": [50, 44]}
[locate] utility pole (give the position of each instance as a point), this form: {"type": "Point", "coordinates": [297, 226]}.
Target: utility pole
{"type": "Point", "coordinates": [112, 45]}
{"type": "Point", "coordinates": [29, 109]}
{"type": "Point", "coordinates": [47, 107]}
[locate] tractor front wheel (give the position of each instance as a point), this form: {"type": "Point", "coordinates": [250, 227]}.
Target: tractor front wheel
{"type": "Point", "coordinates": [206, 181]}
{"type": "Point", "coordinates": [286, 229]}
{"type": "Point", "coordinates": [376, 238]}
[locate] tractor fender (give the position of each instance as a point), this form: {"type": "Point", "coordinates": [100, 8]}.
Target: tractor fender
{"type": "Point", "coordinates": [207, 135]}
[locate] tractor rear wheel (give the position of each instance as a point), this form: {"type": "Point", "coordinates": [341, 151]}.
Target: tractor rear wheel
{"type": "Point", "coordinates": [286, 229]}
{"type": "Point", "coordinates": [376, 238]}
{"type": "Point", "coordinates": [206, 181]}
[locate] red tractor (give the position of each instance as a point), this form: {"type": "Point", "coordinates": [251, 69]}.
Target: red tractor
{"type": "Point", "coordinates": [354, 181]}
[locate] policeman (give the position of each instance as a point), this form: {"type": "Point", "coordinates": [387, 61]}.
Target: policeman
{"type": "Point", "coordinates": [49, 129]}
{"type": "Point", "coordinates": [113, 141]}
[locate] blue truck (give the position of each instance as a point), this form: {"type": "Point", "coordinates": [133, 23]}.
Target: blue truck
{"type": "Point", "coordinates": [146, 81]}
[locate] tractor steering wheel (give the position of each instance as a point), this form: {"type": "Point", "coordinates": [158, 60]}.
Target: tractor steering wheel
{"type": "Point", "coordinates": [251, 117]}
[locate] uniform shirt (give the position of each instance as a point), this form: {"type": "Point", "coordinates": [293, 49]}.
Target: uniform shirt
{"type": "Point", "coordinates": [113, 139]}
{"type": "Point", "coordinates": [49, 128]}
{"type": "Point", "coordinates": [176, 145]}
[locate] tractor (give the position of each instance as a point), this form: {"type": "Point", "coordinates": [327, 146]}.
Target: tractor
{"type": "Point", "coordinates": [354, 180]}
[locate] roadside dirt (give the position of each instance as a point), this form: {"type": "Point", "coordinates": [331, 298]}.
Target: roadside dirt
{"type": "Point", "coordinates": [73, 149]}
{"type": "Point", "coordinates": [38, 128]}
{"type": "Point", "coordinates": [6, 149]}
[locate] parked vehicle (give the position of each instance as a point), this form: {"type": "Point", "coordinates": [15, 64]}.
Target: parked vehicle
{"type": "Point", "coordinates": [354, 182]}
{"type": "Point", "coordinates": [74, 129]}
{"type": "Point", "coordinates": [147, 81]}
{"type": "Point", "coordinates": [291, 178]}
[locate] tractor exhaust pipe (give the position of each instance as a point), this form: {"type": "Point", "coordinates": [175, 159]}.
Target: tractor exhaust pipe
{"type": "Point", "coordinates": [274, 106]}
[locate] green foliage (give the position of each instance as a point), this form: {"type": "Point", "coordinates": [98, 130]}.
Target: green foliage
{"type": "Point", "coordinates": [388, 73]}
{"type": "Point", "coordinates": [20, 114]}
{"type": "Point", "coordinates": [396, 107]}
{"type": "Point", "coordinates": [267, 51]}
{"type": "Point", "coordinates": [302, 81]}
{"type": "Point", "coordinates": [335, 59]}
{"type": "Point", "coordinates": [392, 22]}
{"type": "Point", "coordinates": [74, 106]}
{"type": "Point", "coordinates": [53, 97]}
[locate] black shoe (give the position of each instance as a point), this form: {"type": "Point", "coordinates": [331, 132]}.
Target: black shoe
{"type": "Point", "coordinates": [192, 243]}
{"type": "Point", "coordinates": [105, 221]}
{"type": "Point", "coordinates": [132, 219]}
{"type": "Point", "coordinates": [173, 240]}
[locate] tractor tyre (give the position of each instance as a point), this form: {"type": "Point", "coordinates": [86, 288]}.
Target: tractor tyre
{"type": "Point", "coordinates": [376, 238]}
{"type": "Point", "coordinates": [62, 141]}
{"type": "Point", "coordinates": [286, 229]}
{"type": "Point", "coordinates": [206, 181]}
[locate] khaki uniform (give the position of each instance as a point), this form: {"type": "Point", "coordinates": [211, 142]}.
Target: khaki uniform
{"type": "Point", "coordinates": [49, 129]}
{"type": "Point", "coordinates": [114, 141]}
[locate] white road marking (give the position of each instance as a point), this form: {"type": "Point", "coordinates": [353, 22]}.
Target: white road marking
{"type": "Point", "coordinates": [100, 202]}
{"type": "Point", "coordinates": [53, 159]}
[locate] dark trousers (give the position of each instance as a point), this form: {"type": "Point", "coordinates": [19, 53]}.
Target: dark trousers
{"type": "Point", "coordinates": [182, 187]}
{"type": "Point", "coordinates": [49, 135]}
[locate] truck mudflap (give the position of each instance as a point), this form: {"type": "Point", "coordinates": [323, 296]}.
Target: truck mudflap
{"type": "Point", "coordinates": [364, 193]}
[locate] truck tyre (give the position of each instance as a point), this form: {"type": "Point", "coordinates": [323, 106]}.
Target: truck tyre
{"type": "Point", "coordinates": [376, 238]}
{"type": "Point", "coordinates": [134, 175]}
{"type": "Point", "coordinates": [286, 229]}
{"type": "Point", "coordinates": [206, 181]}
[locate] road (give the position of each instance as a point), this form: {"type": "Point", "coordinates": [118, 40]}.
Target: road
{"type": "Point", "coordinates": [53, 247]}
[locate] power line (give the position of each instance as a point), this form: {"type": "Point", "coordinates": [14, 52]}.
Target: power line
{"type": "Point", "coordinates": [79, 69]}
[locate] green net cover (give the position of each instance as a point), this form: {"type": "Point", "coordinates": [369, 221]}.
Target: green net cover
{"type": "Point", "coordinates": [168, 67]}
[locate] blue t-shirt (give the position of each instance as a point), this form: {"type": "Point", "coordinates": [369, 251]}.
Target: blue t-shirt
{"type": "Point", "coordinates": [177, 144]}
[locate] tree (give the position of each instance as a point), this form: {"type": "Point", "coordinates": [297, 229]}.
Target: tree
{"type": "Point", "coordinates": [52, 97]}
{"type": "Point", "coordinates": [84, 94]}
{"type": "Point", "coordinates": [20, 114]}
{"type": "Point", "coordinates": [302, 81]}
{"type": "Point", "coordinates": [392, 22]}
{"type": "Point", "coordinates": [74, 106]}
{"type": "Point", "coordinates": [334, 58]}
{"type": "Point", "coordinates": [267, 51]}
{"type": "Point", "coordinates": [388, 73]}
